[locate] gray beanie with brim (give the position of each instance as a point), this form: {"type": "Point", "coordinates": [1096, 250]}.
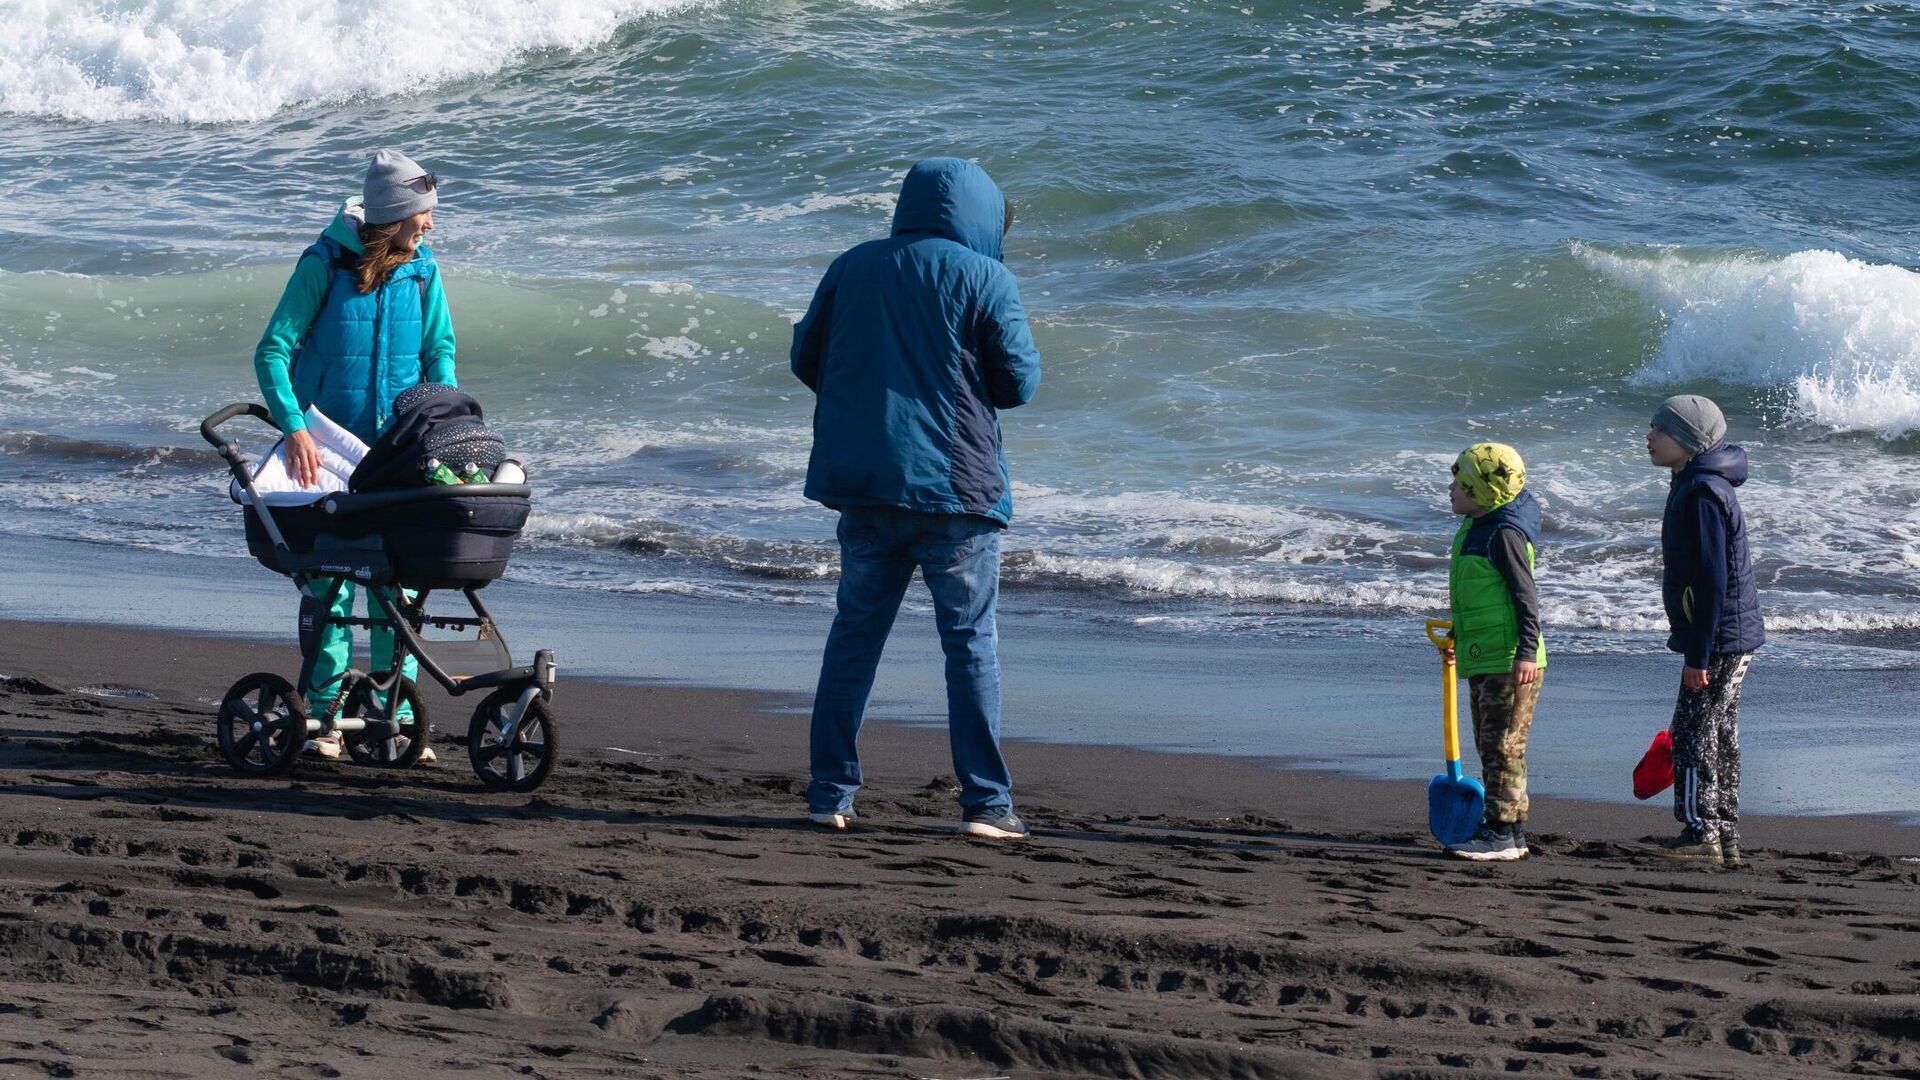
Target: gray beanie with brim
{"type": "Point", "coordinates": [1694, 422]}
{"type": "Point", "coordinates": [389, 194]}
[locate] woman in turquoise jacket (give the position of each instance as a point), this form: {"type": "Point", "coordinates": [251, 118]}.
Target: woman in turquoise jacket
{"type": "Point", "coordinates": [362, 319]}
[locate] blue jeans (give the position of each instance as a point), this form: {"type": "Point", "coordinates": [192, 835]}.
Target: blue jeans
{"type": "Point", "coordinates": [959, 556]}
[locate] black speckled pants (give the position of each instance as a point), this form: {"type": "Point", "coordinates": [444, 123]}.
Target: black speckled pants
{"type": "Point", "coordinates": [1706, 749]}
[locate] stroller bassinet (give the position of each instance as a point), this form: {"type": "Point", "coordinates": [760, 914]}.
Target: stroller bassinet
{"type": "Point", "coordinates": [430, 536]}
{"type": "Point", "coordinates": [423, 538]}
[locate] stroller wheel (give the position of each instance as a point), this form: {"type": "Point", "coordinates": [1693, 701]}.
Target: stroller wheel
{"type": "Point", "coordinates": [263, 725]}
{"type": "Point", "coordinates": [374, 745]}
{"type": "Point", "coordinates": [521, 760]}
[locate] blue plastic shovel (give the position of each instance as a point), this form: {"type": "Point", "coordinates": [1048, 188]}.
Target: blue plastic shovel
{"type": "Point", "coordinates": [1454, 802]}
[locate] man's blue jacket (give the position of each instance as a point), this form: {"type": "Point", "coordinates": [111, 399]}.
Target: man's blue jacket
{"type": "Point", "coordinates": [912, 344]}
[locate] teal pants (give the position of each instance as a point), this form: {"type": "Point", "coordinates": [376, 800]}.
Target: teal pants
{"type": "Point", "coordinates": [333, 653]}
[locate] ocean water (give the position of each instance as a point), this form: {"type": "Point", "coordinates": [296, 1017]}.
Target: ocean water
{"type": "Point", "coordinates": [1283, 261]}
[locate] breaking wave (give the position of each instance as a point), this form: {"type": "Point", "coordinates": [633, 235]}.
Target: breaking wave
{"type": "Point", "coordinates": [221, 61]}
{"type": "Point", "coordinates": [1841, 336]}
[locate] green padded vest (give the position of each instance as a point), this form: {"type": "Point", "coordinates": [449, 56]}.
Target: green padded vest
{"type": "Point", "coordinates": [1486, 633]}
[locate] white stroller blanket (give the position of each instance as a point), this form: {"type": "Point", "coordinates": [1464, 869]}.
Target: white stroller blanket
{"type": "Point", "coordinates": [340, 451]}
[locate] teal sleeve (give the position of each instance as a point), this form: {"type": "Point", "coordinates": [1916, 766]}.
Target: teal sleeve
{"type": "Point", "coordinates": [436, 338]}
{"type": "Point", "coordinates": [1008, 358]}
{"type": "Point", "coordinates": [305, 291]}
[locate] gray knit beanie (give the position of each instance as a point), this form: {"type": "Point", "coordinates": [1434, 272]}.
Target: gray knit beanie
{"type": "Point", "coordinates": [392, 189]}
{"type": "Point", "coordinates": [1694, 422]}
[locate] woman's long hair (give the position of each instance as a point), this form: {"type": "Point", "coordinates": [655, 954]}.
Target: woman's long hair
{"type": "Point", "coordinates": [382, 256]}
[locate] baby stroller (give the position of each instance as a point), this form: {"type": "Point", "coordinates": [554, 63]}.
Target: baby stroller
{"type": "Point", "coordinates": [400, 544]}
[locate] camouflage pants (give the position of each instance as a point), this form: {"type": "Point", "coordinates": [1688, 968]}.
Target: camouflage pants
{"type": "Point", "coordinates": [1502, 717]}
{"type": "Point", "coordinates": [1706, 749]}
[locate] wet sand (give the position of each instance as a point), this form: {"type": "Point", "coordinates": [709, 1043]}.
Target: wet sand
{"type": "Point", "coordinates": [657, 910]}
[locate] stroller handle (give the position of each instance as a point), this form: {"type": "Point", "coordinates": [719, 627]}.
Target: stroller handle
{"type": "Point", "coordinates": [237, 465]}
{"type": "Point", "coordinates": [238, 408]}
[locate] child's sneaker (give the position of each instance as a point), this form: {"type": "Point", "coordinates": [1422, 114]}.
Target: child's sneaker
{"type": "Point", "coordinates": [995, 825]}
{"type": "Point", "coordinates": [1493, 843]}
{"type": "Point", "coordinates": [1730, 851]}
{"type": "Point", "coordinates": [330, 746]}
{"type": "Point", "coordinates": [837, 820]}
{"type": "Point", "coordinates": [1693, 846]}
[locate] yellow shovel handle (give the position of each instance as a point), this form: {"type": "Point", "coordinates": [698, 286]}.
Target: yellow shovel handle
{"type": "Point", "coordinates": [1449, 689]}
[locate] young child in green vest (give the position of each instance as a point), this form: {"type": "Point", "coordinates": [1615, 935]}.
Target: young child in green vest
{"type": "Point", "coordinates": [1496, 634]}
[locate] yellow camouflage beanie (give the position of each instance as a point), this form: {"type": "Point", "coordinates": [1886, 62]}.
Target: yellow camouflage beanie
{"type": "Point", "coordinates": [1491, 473]}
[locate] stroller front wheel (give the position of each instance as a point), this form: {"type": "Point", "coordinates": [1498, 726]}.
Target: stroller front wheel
{"type": "Point", "coordinates": [262, 725]}
{"type": "Point", "coordinates": [517, 757]}
{"type": "Point", "coordinates": [377, 744]}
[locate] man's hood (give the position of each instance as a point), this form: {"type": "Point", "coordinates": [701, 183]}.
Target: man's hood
{"type": "Point", "coordinates": [1725, 460]}
{"type": "Point", "coordinates": [345, 229]}
{"type": "Point", "coordinates": [954, 199]}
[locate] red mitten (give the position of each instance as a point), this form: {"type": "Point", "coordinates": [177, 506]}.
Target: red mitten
{"type": "Point", "coordinates": [1654, 774]}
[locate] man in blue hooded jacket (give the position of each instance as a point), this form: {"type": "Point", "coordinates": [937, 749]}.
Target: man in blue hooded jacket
{"type": "Point", "coordinates": [912, 345]}
{"type": "Point", "coordinates": [1713, 608]}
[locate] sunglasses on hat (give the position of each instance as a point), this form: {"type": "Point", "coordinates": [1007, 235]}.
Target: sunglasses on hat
{"type": "Point", "coordinates": [424, 184]}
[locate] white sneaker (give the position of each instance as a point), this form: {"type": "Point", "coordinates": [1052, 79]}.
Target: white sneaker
{"type": "Point", "coordinates": [1493, 843]}
{"type": "Point", "coordinates": [331, 747]}
{"type": "Point", "coordinates": [837, 820]}
{"type": "Point", "coordinates": [995, 825]}
{"type": "Point", "coordinates": [427, 756]}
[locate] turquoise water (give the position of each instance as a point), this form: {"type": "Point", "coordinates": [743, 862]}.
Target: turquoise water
{"type": "Point", "coordinates": [1282, 260]}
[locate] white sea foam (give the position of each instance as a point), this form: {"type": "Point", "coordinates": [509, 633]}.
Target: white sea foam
{"type": "Point", "coordinates": [1175, 579]}
{"type": "Point", "coordinates": [1172, 521]}
{"type": "Point", "coordinates": [1841, 335]}
{"type": "Point", "coordinates": [677, 347]}
{"type": "Point", "coordinates": [15, 378]}
{"type": "Point", "coordinates": [876, 202]}
{"type": "Point", "coordinates": [216, 61]}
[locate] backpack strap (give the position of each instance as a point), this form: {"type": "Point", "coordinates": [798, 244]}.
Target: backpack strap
{"type": "Point", "coordinates": [337, 258]}
{"type": "Point", "coordinates": [331, 252]}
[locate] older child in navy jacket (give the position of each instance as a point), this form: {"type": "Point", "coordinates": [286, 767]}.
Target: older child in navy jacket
{"type": "Point", "coordinates": [1714, 611]}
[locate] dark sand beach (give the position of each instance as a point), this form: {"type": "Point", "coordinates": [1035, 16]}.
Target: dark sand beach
{"type": "Point", "coordinates": [657, 911]}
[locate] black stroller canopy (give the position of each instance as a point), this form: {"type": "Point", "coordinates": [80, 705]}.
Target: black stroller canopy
{"type": "Point", "coordinates": [431, 420]}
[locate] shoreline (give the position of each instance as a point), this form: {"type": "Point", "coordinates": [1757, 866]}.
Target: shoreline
{"type": "Point", "coordinates": [658, 910]}
{"type": "Point", "coordinates": [1818, 740]}
{"type": "Point", "coordinates": [181, 667]}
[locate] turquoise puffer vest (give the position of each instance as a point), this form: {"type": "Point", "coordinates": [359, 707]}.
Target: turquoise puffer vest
{"type": "Point", "coordinates": [363, 349]}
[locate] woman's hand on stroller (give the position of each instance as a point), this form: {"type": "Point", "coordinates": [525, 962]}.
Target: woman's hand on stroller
{"type": "Point", "coordinates": [303, 458]}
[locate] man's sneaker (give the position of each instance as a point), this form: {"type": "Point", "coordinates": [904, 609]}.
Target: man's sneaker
{"type": "Point", "coordinates": [330, 746]}
{"type": "Point", "coordinates": [1493, 843]}
{"type": "Point", "coordinates": [1692, 846]}
{"type": "Point", "coordinates": [837, 820]}
{"type": "Point", "coordinates": [1729, 851]}
{"type": "Point", "coordinates": [427, 756]}
{"type": "Point", "coordinates": [995, 825]}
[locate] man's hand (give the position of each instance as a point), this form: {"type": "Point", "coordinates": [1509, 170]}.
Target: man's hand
{"type": "Point", "coordinates": [1693, 679]}
{"type": "Point", "coordinates": [1525, 672]}
{"type": "Point", "coordinates": [303, 458]}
